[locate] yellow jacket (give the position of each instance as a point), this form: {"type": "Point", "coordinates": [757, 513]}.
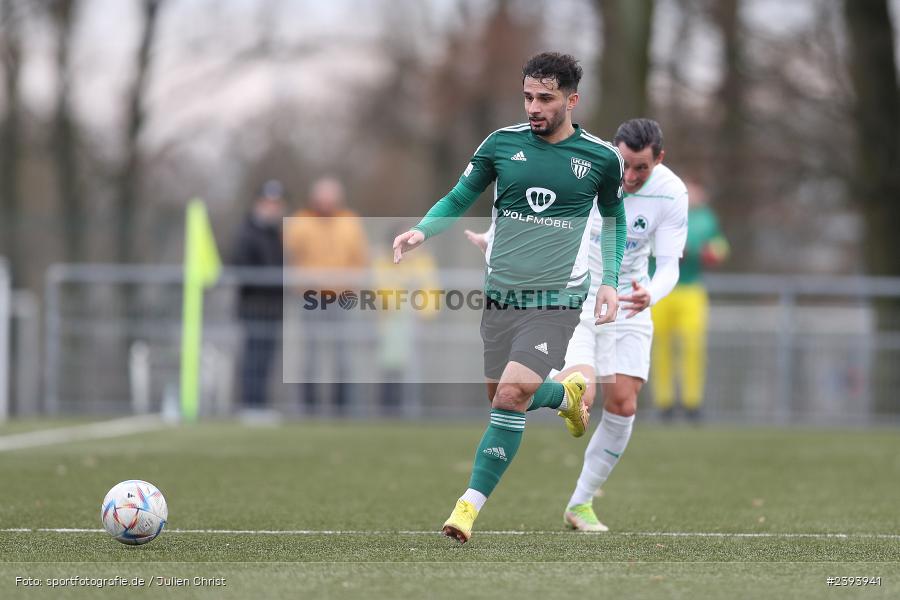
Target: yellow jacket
{"type": "Point", "coordinates": [316, 242]}
{"type": "Point", "coordinates": [338, 242]}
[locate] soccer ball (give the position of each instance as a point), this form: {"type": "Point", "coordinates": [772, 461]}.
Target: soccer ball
{"type": "Point", "coordinates": [134, 512]}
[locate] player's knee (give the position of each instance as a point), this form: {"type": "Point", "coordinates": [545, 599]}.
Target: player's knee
{"type": "Point", "coordinates": [622, 403]}
{"type": "Point", "coordinates": [511, 397]}
{"type": "Point", "coordinates": [623, 408]}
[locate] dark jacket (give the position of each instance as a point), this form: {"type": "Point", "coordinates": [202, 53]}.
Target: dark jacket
{"type": "Point", "coordinates": [259, 245]}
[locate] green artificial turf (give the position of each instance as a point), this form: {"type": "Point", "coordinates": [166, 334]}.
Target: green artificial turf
{"type": "Point", "coordinates": [363, 503]}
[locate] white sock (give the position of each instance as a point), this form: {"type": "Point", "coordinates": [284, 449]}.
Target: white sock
{"type": "Point", "coordinates": [565, 401]}
{"type": "Point", "coordinates": [603, 452]}
{"type": "Point", "coordinates": [475, 497]}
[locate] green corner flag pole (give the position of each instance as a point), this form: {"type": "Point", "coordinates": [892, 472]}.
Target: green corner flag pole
{"type": "Point", "coordinates": [201, 269]}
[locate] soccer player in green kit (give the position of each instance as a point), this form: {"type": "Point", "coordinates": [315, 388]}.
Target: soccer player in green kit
{"type": "Point", "coordinates": [551, 177]}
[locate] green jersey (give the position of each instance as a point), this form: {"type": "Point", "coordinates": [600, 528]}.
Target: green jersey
{"type": "Point", "coordinates": [703, 227]}
{"type": "Point", "coordinates": [545, 196]}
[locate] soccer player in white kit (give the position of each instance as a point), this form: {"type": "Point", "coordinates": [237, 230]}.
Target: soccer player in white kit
{"type": "Point", "coordinates": [618, 354]}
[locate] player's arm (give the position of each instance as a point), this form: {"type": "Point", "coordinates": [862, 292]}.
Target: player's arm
{"type": "Point", "coordinates": [441, 216]}
{"type": "Point", "coordinates": [610, 202]}
{"type": "Point", "coordinates": [449, 208]}
{"type": "Point", "coordinates": [663, 282]}
{"type": "Point", "coordinates": [478, 174]}
{"type": "Point", "coordinates": [668, 246]}
{"type": "Point", "coordinates": [664, 279]}
{"type": "Point", "coordinates": [668, 243]}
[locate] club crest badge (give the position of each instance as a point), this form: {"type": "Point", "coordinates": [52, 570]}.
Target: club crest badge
{"type": "Point", "coordinates": [580, 167]}
{"type": "Point", "coordinates": [639, 224]}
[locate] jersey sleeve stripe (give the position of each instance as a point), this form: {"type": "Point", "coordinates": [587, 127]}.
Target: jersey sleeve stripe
{"type": "Point", "coordinates": [615, 150]}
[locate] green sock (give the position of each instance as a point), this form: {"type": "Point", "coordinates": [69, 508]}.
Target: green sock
{"type": "Point", "coordinates": [497, 448]}
{"type": "Point", "coordinates": [550, 394]}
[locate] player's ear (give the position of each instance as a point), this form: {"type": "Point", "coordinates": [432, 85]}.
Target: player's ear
{"type": "Point", "coordinates": [572, 101]}
{"type": "Point", "coordinates": [662, 155]}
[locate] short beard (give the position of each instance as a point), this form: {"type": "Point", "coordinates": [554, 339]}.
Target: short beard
{"type": "Point", "coordinates": [551, 127]}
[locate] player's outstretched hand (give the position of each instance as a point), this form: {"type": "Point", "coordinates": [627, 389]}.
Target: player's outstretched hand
{"type": "Point", "coordinates": [608, 297]}
{"type": "Point", "coordinates": [405, 242]}
{"type": "Point", "coordinates": [478, 239]}
{"type": "Point", "coordinates": [638, 300]}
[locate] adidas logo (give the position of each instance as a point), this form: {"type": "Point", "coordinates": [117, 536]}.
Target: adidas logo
{"type": "Point", "coordinates": [543, 348]}
{"type": "Point", "coordinates": [496, 453]}
{"type": "Point", "coordinates": [518, 156]}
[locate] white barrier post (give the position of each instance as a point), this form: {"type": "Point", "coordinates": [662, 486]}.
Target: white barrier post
{"type": "Point", "coordinates": [5, 304]}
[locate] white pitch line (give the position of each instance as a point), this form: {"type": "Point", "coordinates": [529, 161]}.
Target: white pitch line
{"type": "Point", "coordinates": [77, 433]}
{"type": "Point", "coordinates": [337, 532]}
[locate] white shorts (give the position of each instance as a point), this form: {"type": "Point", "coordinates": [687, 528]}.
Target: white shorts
{"type": "Point", "coordinates": [619, 347]}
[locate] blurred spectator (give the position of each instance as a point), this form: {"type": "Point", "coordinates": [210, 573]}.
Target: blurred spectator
{"type": "Point", "coordinates": [398, 325]}
{"type": "Point", "coordinates": [260, 307]}
{"type": "Point", "coordinates": [327, 236]}
{"type": "Point", "coordinates": [682, 316]}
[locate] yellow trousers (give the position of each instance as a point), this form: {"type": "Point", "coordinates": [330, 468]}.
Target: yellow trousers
{"type": "Point", "coordinates": [680, 318]}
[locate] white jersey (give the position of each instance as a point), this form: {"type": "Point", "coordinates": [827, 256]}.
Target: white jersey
{"type": "Point", "coordinates": [656, 221]}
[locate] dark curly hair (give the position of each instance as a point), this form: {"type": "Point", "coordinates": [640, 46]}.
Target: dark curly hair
{"type": "Point", "coordinates": [640, 133]}
{"type": "Point", "coordinates": [564, 68]}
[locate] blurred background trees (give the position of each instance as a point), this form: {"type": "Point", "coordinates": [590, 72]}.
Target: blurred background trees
{"type": "Point", "coordinates": [625, 62]}
{"type": "Point", "coordinates": [875, 174]}
{"type": "Point", "coordinates": [10, 131]}
{"type": "Point", "coordinates": [112, 115]}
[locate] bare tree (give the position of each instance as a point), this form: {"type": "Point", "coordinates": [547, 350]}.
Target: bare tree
{"type": "Point", "coordinates": [625, 64]}
{"type": "Point", "coordinates": [10, 130]}
{"type": "Point", "coordinates": [129, 175]}
{"type": "Point", "coordinates": [876, 183]}
{"type": "Point", "coordinates": [430, 116]}
{"type": "Point", "coordinates": [65, 140]}
{"type": "Point", "coordinates": [731, 141]}
{"type": "Point", "coordinates": [477, 86]}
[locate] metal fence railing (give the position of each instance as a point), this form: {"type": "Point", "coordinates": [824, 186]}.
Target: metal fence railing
{"type": "Point", "coordinates": [781, 349]}
{"type": "Point", "coordinates": [806, 349]}
{"type": "Point", "coordinates": [20, 370]}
